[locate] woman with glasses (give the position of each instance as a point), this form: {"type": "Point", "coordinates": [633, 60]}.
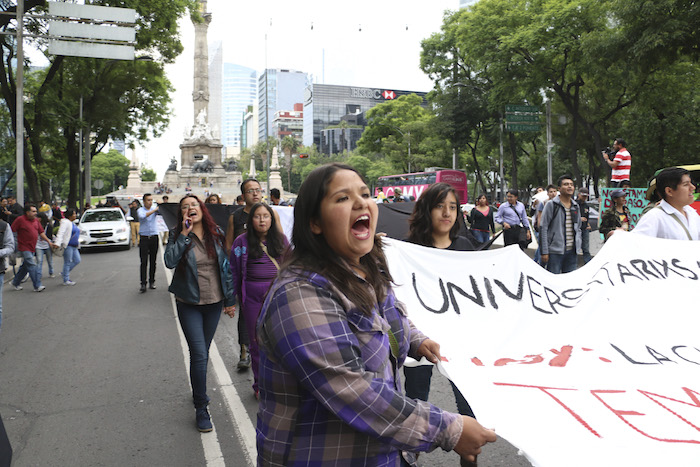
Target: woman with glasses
{"type": "Point", "coordinates": [255, 259]}
{"type": "Point", "coordinates": [202, 286]}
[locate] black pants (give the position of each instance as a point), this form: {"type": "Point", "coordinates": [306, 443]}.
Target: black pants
{"type": "Point", "coordinates": [148, 249]}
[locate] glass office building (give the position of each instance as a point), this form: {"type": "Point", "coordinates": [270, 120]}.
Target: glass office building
{"type": "Point", "coordinates": [240, 86]}
{"type": "Point", "coordinates": [326, 105]}
{"type": "Point", "coordinates": [284, 89]}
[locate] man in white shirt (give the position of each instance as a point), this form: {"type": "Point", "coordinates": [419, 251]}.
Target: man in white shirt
{"type": "Point", "coordinates": [673, 218]}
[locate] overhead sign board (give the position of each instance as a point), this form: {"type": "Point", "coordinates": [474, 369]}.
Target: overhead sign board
{"type": "Point", "coordinates": [91, 31]}
{"type": "Point", "coordinates": [522, 108]}
{"type": "Point", "coordinates": [522, 127]}
{"type": "Point", "coordinates": [522, 118]}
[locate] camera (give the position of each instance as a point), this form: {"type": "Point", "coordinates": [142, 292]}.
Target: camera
{"type": "Point", "coordinates": [609, 152]}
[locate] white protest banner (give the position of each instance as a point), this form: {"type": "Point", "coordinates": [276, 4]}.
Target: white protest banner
{"type": "Point", "coordinates": [600, 366]}
{"type": "Point", "coordinates": [636, 201]}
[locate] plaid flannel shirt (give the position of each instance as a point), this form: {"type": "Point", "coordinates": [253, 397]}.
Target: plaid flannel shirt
{"type": "Point", "coordinates": [330, 392]}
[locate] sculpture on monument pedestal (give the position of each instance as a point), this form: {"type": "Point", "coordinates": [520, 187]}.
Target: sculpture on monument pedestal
{"type": "Point", "coordinates": [231, 165]}
{"type": "Point", "coordinates": [173, 165]}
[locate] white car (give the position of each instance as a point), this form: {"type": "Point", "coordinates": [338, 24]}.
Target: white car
{"type": "Point", "coordinates": [104, 227]}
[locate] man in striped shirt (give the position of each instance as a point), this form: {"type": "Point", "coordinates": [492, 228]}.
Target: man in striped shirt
{"type": "Point", "coordinates": [621, 164]}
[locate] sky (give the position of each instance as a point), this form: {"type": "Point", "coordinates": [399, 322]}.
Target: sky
{"type": "Point", "coordinates": [384, 54]}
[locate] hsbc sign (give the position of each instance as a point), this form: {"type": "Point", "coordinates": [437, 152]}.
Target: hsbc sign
{"type": "Point", "coordinates": [366, 93]}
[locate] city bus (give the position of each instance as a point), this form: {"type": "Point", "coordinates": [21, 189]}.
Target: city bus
{"type": "Point", "coordinates": [414, 184]}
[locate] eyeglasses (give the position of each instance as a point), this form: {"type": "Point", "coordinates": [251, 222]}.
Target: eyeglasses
{"type": "Point", "coordinates": [253, 190]}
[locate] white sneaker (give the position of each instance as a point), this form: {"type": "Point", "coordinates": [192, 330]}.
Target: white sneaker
{"type": "Point", "coordinates": [69, 283]}
{"type": "Point", "coordinates": [18, 287]}
{"type": "Point", "coordinates": [26, 278]}
{"type": "Point", "coordinates": [52, 276]}
{"type": "Point", "coordinates": [39, 289]}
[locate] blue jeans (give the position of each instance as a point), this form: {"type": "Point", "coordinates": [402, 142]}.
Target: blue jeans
{"type": "Point", "coordinates": [40, 253]}
{"type": "Point", "coordinates": [586, 245]}
{"type": "Point", "coordinates": [481, 237]}
{"type": "Point", "coordinates": [538, 255]}
{"type": "Point", "coordinates": [28, 267]}
{"type": "Point", "coordinates": [562, 263]}
{"type": "Point", "coordinates": [199, 324]}
{"type": "Point", "coordinates": [418, 387]}
{"type": "Point", "coordinates": [71, 258]}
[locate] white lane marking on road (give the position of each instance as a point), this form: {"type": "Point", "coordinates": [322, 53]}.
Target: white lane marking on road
{"type": "Point", "coordinates": [241, 422]}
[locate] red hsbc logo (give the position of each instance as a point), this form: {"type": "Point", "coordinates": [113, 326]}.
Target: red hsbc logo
{"type": "Point", "coordinates": [389, 94]}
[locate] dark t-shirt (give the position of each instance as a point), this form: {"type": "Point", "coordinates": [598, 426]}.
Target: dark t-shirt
{"type": "Point", "coordinates": [585, 211]}
{"type": "Point", "coordinates": [240, 221]}
{"type": "Point", "coordinates": [461, 244]}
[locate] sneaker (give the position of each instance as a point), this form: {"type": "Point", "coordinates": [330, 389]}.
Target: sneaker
{"type": "Point", "coordinates": [203, 420]}
{"type": "Point", "coordinates": [52, 276]}
{"type": "Point", "coordinates": [17, 287]}
{"type": "Point", "coordinates": [152, 286]}
{"type": "Point", "coordinates": [69, 282]}
{"type": "Point", "coordinates": [143, 288]}
{"type": "Point", "coordinates": [39, 289]}
{"type": "Point", "coordinates": [244, 362]}
{"type": "Point", "coordinates": [26, 278]}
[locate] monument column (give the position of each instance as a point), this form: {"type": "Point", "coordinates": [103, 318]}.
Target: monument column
{"type": "Point", "coordinates": [200, 91]}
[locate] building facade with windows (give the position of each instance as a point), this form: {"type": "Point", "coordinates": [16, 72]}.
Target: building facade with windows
{"type": "Point", "coordinates": [239, 90]}
{"type": "Point", "coordinates": [289, 123]}
{"type": "Point", "coordinates": [278, 90]}
{"type": "Point", "coordinates": [326, 105]}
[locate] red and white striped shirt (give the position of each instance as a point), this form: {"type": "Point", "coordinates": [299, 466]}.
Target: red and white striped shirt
{"type": "Point", "coordinates": [622, 171]}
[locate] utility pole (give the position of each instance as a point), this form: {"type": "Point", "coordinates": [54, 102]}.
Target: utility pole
{"type": "Point", "coordinates": [549, 142]}
{"type": "Point", "coordinates": [503, 181]}
{"type": "Point", "coordinates": [19, 112]}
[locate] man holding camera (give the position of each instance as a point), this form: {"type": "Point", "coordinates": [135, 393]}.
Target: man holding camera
{"type": "Point", "coordinates": [620, 164]}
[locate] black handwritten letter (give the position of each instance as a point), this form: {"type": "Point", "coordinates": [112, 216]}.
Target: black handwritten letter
{"type": "Point", "coordinates": [445, 303]}
{"type": "Point", "coordinates": [476, 298]}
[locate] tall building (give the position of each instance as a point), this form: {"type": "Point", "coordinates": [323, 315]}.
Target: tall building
{"type": "Point", "coordinates": [278, 90]}
{"type": "Point", "coordinates": [239, 91]}
{"type": "Point", "coordinates": [326, 105]}
{"type": "Point", "coordinates": [216, 54]}
{"type": "Point", "coordinates": [249, 127]}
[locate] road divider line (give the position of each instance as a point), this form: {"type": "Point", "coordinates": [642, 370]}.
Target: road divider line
{"type": "Point", "coordinates": [241, 421]}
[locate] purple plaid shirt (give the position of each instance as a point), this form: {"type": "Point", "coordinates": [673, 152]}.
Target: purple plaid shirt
{"type": "Point", "coordinates": [329, 392]}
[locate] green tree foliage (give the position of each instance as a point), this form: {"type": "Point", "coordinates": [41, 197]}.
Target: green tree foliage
{"type": "Point", "coordinates": [394, 126]}
{"type": "Point", "coordinates": [599, 64]}
{"type": "Point", "coordinates": [148, 174]}
{"type": "Point", "coordinates": [111, 167]}
{"type": "Point", "coordinates": [122, 100]}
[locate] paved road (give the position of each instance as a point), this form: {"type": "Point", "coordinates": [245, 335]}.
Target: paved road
{"type": "Point", "coordinates": [95, 374]}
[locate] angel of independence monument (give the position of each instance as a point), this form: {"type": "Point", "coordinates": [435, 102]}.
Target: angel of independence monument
{"type": "Point", "coordinates": [200, 153]}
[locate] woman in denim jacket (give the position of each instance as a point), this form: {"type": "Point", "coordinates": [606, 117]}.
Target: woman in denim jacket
{"type": "Point", "coordinates": [202, 286]}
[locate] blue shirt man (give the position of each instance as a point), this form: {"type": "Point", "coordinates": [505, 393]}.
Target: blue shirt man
{"type": "Point", "coordinates": [513, 217]}
{"type": "Point", "coordinates": [148, 243]}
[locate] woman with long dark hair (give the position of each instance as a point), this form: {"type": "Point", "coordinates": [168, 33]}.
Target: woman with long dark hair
{"type": "Point", "coordinates": [202, 286]}
{"type": "Point", "coordinates": [481, 220]}
{"type": "Point", "coordinates": [434, 224]}
{"type": "Point", "coordinates": [333, 338]}
{"type": "Point", "coordinates": [255, 259]}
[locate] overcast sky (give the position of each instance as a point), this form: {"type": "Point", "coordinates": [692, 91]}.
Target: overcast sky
{"type": "Point", "coordinates": [384, 54]}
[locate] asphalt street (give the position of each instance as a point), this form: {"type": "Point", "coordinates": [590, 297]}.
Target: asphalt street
{"type": "Point", "coordinates": [96, 375]}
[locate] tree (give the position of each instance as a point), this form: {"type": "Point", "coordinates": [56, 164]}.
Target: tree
{"type": "Point", "coordinates": [137, 92]}
{"type": "Point", "coordinates": [393, 127]}
{"type": "Point", "coordinates": [112, 168]}
{"type": "Point", "coordinates": [148, 174]}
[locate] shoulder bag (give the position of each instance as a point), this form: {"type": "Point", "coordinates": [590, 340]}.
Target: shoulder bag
{"type": "Point", "coordinates": [523, 241]}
